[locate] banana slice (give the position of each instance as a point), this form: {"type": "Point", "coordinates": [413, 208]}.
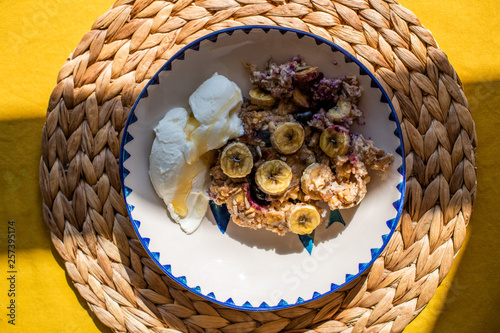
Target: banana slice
{"type": "Point", "coordinates": [273, 177]}
{"type": "Point", "coordinates": [315, 179]}
{"type": "Point", "coordinates": [334, 141]}
{"type": "Point", "coordinates": [261, 98]}
{"type": "Point", "coordinates": [340, 111]}
{"type": "Point", "coordinates": [303, 219]}
{"type": "Point", "coordinates": [306, 74]}
{"type": "Point", "coordinates": [236, 160]}
{"type": "Point", "coordinates": [300, 99]}
{"type": "Point", "coordinates": [288, 138]}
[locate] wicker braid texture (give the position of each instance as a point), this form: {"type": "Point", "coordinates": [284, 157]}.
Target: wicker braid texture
{"type": "Point", "coordinates": [79, 176]}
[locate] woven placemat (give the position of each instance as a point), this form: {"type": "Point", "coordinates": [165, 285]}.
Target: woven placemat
{"type": "Point", "coordinates": [80, 184]}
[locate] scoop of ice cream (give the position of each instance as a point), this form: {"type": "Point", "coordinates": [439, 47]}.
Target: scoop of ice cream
{"type": "Point", "coordinates": [215, 104]}
{"type": "Point", "coordinates": [178, 170]}
{"type": "Point", "coordinates": [178, 183]}
{"type": "Point", "coordinates": [214, 99]}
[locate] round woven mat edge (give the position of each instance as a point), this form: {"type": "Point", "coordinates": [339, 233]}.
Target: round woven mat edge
{"type": "Point", "coordinates": [79, 177]}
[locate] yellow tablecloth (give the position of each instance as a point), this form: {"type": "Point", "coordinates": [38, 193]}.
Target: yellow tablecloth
{"type": "Point", "coordinates": [37, 36]}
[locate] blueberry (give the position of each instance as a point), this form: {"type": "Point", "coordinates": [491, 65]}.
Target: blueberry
{"type": "Point", "coordinates": [259, 197]}
{"type": "Point", "coordinates": [304, 117]}
{"type": "Point", "coordinates": [265, 136]}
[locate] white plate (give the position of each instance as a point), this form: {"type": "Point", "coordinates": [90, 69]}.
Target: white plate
{"type": "Point", "coordinates": [243, 268]}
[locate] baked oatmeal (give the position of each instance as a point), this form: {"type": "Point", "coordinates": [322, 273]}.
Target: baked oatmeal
{"type": "Point", "coordinates": [297, 151]}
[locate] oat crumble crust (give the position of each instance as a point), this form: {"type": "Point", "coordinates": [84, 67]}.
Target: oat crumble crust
{"type": "Point", "coordinates": [341, 181]}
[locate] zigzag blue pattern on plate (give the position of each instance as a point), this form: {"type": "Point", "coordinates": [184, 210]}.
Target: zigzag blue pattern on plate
{"type": "Point", "coordinates": [308, 241]}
